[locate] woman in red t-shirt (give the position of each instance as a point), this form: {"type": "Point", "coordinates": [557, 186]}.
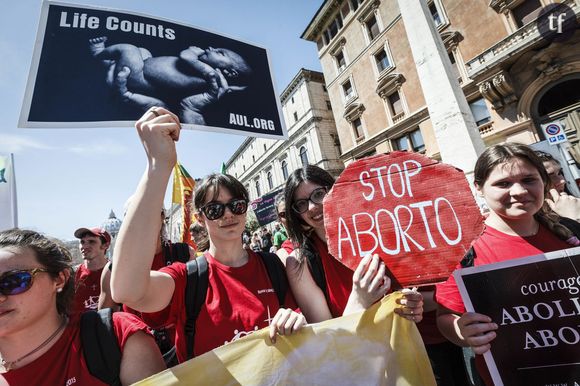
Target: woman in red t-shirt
{"type": "Point", "coordinates": [39, 343]}
{"type": "Point", "coordinates": [240, 298]}
{"type": "Point", "coordinates": [346, 291]}
{"type": "Point", "coordinates": [514, 183]}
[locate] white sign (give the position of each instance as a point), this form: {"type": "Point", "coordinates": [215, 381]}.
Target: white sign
{"type": "Point", "coordinates": [554, 132]}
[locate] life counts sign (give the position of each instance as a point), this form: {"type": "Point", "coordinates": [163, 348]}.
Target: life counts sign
{"type": "Point", "coordinates": [417, 214]}
{"type": "Point", "coordinates": [535, 303]}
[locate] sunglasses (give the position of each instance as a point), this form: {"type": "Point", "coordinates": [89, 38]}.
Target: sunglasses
{"type": "Point", "coordinates": [215, 210]}
{"type": "Point", "coordinates": [316, 197]}
{"type": "Point", "coordinates": [18, 281]}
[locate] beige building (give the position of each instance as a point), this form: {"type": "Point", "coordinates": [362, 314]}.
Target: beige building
{"type": "Point", "coordinates": [513, 79]}
{"type": "Point", "coordinates": [263, 165]}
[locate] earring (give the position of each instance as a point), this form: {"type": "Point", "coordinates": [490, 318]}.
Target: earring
{"type": "Point", "coordinates": [59, 290]}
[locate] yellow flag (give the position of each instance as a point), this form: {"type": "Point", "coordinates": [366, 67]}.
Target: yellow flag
{"type": "Point", "coordinates": [183, 186]}
{"type": "Point", "coordinates": [375, 347]}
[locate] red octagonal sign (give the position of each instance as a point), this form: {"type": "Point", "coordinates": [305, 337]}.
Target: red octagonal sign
{"type": "Point", "coordinates": [417, 214]}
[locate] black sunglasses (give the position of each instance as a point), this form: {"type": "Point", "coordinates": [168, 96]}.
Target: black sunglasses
{"type": "Point", "coordinates": [215, 210]}
{"type": "Point", "coordinates": [18, 281]}
{"type": "Point", "coordinates": [316, 197]}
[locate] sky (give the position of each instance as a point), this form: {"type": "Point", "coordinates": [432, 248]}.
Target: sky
{"type": "Point", "coordinates": [71, 178]}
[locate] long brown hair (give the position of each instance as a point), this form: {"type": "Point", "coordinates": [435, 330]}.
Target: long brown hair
{"type": "Point", "coordinates": [501, 153]}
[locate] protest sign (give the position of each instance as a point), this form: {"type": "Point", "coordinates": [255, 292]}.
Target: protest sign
{"type": "Point", "coordinates": [374, 347]}
{"type": "Point", "coordinates": [264, 208]}
{"type": "Point", "coordinates": [417, 214]}
{"type": "Point", "coordinates": [535, 303]}
{"type": "Point", "coordinates": [96, 67]}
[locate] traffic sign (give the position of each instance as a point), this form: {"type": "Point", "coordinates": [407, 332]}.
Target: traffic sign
{"type": "Point", "coordinates": [554, 132]}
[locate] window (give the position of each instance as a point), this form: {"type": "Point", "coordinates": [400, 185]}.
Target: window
{"type": "Point", "coordinates": [258, 191]}
{"type": "Point", "coordinates": [253, 158]}
{"type": "Point", "coordinates": [324, 88]}
{"type": "Point", "coordinates": [358, 129]}
{"type": "Point", "coordinates": [285, 170]}
{"type": "Point", "coordinates": [372, 27]}
{"type": "Point", "coordinates": [355, 3]}
{"type": "Point", "coordinates": [265, 147]}
{"type": "Point", "coordinates": [270, 182]}
{"type": "Point", "coordinates": [480, 112]}
{"type": "Point", "coordinates": [333, 28]}
{"type": "Point", "coordinates": [435, 14]}
{"type": "Point", "coordinates": [295, 116]}
{"type": "Point", "coordinates": [340, 61]}
{"type": "Point", "coordinates": [347, 90]}
{"type": "Point", "coordinates": [292, 99]}
{"type": "Point", "coordinates": [320, 44]}
{"type": "Point", "coordinates": [526, 12]}
{"type": "Point", "coordinates": [303, 156]}
{"type": "Point", "coordinates": [382, 60]}
{"type": "Point", "coordinates": [395, 104]}
{"type": "Point", "coordinates": [328, 105]}
{"type": "Point", "coordinates": [410, 141]}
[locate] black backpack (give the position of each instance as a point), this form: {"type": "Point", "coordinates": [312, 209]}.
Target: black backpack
{"type": "Point", "coordinates": [197, 283]}
{"type": "Point", "coordinates": [100, 346]}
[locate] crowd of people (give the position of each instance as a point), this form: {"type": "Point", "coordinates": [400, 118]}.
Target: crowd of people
{"type": "Point", "coordinates": [182, 302]}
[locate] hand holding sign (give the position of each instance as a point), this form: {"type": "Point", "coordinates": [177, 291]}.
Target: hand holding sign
{"type": "Point", "coordinates": [417, 214]}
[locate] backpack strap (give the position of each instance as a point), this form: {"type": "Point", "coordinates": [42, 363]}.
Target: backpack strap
{"type": "Point", "coordinates": [100, 346]}
{"type": "Point", "coordinates": [277, 275]}
{"type": "Point", "coordinates": [469, 258]}
{"type": "Point", "coordinates": [195, 293]}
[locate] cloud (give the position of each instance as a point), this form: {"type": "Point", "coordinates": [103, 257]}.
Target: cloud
{"type": "Point", "coordinates": [103, 148]}
{"type": "Point", "coordinates": [10, 143]}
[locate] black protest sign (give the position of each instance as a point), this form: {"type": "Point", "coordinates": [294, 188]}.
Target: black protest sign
{"type": "Point", "coordinates": [96, 67]}
{"type": "Point", "coordinates": [265, 209]}
{"type": "Point", "coordinates": [535, 302]}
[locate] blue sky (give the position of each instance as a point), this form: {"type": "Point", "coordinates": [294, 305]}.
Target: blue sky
{"type": "Point", "coordinates": [68, 178]}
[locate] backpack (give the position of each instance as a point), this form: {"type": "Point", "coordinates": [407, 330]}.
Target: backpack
{"type": "Point", "coordinates": [100, 346]}
{"type": "Point", "coordinates": [173, 252]}
{"type": "Point", "coordinates": [198, 281]}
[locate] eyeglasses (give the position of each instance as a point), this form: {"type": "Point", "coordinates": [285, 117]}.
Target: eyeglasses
{"type": "Point", "coordinates": [316, 197]}
{"type": "Point", "coordinates": [18, 281]}
{"type": "Point", "coordinates": [215, 210]}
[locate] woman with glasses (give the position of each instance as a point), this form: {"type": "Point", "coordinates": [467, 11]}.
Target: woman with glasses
{"type": "Point", "coordinates": [240, 298]}
{"type": "Point", "coordinates": [341, 291]}
{"type": "Point", "coordinates": [39, 343]}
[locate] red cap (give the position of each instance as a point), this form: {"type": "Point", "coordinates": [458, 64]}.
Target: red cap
{"type": "Point", "coordinates": [79, 233]}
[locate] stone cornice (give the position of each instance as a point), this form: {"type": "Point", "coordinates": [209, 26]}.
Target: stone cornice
{"type": "Point", "coordinates": [303, 74]}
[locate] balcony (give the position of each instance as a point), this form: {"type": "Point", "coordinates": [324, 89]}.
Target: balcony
{"type": "Point", "coordinates": [518, 42]}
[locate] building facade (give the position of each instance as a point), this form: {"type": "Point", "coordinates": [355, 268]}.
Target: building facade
{"type": "Point", "coordinates": [513, 79]}
{"type": "Point", "coordinates": [263, 165]}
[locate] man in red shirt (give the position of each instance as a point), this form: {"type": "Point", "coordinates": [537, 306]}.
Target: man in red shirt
{"type": "Point", "coordinates": [93, 244]}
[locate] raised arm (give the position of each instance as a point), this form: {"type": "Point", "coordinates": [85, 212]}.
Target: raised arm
{"type": "Point", "coordinates": [132, 282]}
{"type": "Point", "coordinates": [105, 298]}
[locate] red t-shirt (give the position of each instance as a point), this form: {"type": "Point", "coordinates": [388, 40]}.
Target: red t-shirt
{"type": "Point", "coordinates": [239, 301]}
{"type": "Point", "coordinates": [494, 246]}
{"type": "Point", "coordinates": [287, 245]}
{"type": "Point", "coordinates": [64, 363]}
{"type": "Point", "coordinates": [338, 279]}
{"type": "Point", "coordinates": [87, 289]}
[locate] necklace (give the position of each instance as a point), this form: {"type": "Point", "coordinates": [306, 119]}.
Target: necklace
{"type": "Point", "coordinates": [7, 365]}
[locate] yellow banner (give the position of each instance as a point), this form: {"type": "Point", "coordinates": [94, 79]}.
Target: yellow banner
{"type": "Point", "coordinates": [183, 187]}
{"type": "Point", "coordinates": [375, 347]}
